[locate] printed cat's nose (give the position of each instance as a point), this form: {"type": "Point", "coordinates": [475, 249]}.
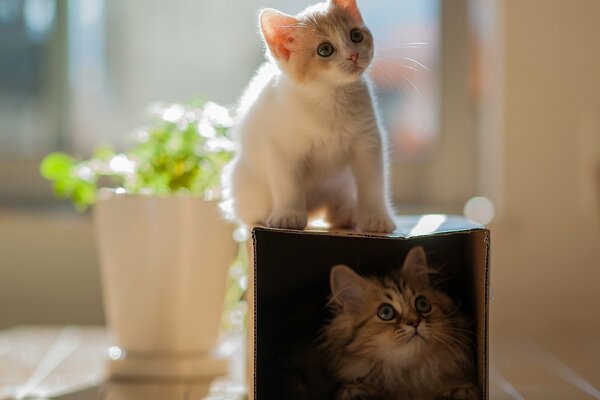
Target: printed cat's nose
{"type": "Point", "coordinates": [353, 57]}
{"type": "Point", "coordinates": [413, 322]}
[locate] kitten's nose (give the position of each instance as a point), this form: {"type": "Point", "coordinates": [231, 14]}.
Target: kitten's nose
{"type": "Point", "coordinates": [353, 57]}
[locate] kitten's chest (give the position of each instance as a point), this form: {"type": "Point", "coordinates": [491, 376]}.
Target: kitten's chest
{"type": "Point", "coordinates": [328, 152]}
{"type": "Point", "coordinates": [330, 135]}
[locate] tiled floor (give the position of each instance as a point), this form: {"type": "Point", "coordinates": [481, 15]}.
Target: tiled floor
{"type": "Point", "coordinates": [47, 363]}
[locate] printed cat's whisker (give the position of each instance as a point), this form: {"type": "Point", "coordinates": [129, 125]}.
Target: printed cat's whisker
{"type": "Point", "coordinates": [334, 298]}
{"type": "Point", "coordinates": [453, 312]}
{"type": "Point", "coordinates": [451, 340]}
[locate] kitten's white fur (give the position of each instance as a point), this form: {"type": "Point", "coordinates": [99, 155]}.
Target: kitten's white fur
{"type": "Point", "coordinates": [310, 144]}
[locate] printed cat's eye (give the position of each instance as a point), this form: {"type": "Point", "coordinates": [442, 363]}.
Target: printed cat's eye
{"type": "Point", "coordinates": [422, 305]}
{"type": "Point", "coordinates": [356, 35]}
{"type": "Point", "coordinates": [386, 312]}
{"type": "Point", "coordinates": [325, 49]}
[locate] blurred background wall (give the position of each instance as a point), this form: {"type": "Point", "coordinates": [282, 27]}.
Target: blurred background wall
{"type": "Point", "coordinates": [506, 105]}
{"type": "Point", "coordinates": [546, 235]}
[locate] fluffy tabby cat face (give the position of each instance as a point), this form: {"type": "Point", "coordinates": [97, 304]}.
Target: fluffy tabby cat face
{"type": "Point", "coordinates": [398, 316]}
{"type": "Point", "coordinates": [327, 42]}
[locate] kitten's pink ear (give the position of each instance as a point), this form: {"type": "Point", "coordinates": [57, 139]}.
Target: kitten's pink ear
{"type": "Point", "coordinates": [350, 6]}
{"type": "Point", "coordinates": [415, 269]}
{"type": "Point", "coordinates": [347, 287]}
{"type": "Point", "coordinates": [279, 30]}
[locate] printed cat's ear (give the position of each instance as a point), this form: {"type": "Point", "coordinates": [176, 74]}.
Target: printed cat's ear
{"type": "Point", "coordinates": [347, 287]}
{"type": "Point", "coordinates": [279, 31]}
{"type": "Point", "coordinates": [351, 7]}
{"type": "Point", "coordinates": [415, 269]}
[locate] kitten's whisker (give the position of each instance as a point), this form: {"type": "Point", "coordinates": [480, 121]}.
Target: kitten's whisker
{"type": "Point", "coordinates": [392, 57]}
{"type": "Point", "coordinates": [378, 61]}
{"type": "Point", "coordinates": [391, 80]}
{"type": "Point", "coordinates": [408, 44]}
{"type": "Point", "coordinates": [418, 63]}
{"type": "Point", "coordinates": [305, 34]}
{"type": "Point", "coordinates": [413, 85]}
{"type": "Point", "coordinates": [408, 67]}
{"type": "Point", "coordinates": [296, 25]}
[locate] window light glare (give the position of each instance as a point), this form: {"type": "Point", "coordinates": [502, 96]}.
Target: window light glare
{"type": "Point", "coordinates": [173, 113]}
{"type": "Point", "coordinates": [480, 210]}
{"type": "Point", "coordinates": [85, 173]}
{"type": "Point", "coordinates": [121, 164]}
{"type": "Point", "coordinates": [319, 223]}
{"type": "Point", "coordinates": [39, 17]}
{"type": "Point", "coordinates": [240, 235]}
{"type": "Point", "coordinates": [428, 224]}
{"type": "Point", "coordinates": [115, 353]}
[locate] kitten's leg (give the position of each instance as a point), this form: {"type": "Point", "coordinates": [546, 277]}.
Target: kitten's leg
{"type": "Point", "coordinates": [368, 168]}
{"type": "Point", "coordinates": [289, 197]}
{"type": "Point", "coordinates": [467, 391]}
{"type": "Point", "coordinates": [341, 214]}
{"type": "Point", "coordinates": [251, 195]}
{"type": "Point", "coordinates": [340, 201]}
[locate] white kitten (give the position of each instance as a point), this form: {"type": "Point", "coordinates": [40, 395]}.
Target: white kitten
{"type": "Point", "coordinates": [308, 132]}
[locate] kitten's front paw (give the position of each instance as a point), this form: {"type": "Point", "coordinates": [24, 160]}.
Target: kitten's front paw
{"type": "Point", "coordinates": [463, 392]}
{"type": "Point", "coordinates": [375, 222]}
{"type": "Point", "coordinates": [287, 220]}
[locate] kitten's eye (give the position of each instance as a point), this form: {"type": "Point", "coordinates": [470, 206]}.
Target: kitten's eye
{"type": "Point", "coordinates": [422, 305]}
{"type": "Point", "coordinates": [386, 312]}
{"type": "Point", "coordinates": [356, 36]}
{"type": "Point", "coordinates": [325, 49]}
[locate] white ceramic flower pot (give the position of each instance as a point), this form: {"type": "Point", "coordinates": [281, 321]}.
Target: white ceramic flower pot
{"type": "Point", "coordinates": [164, 264]}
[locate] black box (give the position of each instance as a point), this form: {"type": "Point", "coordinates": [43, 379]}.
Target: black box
{"type": "Point", "coordinates": [289, 286]}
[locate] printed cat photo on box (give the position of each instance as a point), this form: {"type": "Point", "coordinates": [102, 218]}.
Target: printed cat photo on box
{"type": "Point", "coordinates": [392, 333]}
{"type": "Point", "coordinates": [397, 336]}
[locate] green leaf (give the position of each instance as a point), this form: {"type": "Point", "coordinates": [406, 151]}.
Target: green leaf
{"type": "Point", "coordinates": [56, 166]}
{"type": "Point", "coordinates": [103, 153]}
{"type": "Point", "coordinates": [64, 186]}
{"type": "Point", "coordinates": [171, 159]}
{"type": "Point", "coordinates": [84, 194]}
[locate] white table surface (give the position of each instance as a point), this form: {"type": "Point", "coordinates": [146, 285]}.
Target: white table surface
{"type": "Point", "coordinates": [68, 363]}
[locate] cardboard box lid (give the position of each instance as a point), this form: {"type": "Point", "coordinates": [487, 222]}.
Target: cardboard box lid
{"type": "Point", "coordinates": [408, 226]}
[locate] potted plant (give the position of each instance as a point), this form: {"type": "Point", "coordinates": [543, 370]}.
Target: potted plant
{"type": "Point", "coordinates": [164, 248]}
